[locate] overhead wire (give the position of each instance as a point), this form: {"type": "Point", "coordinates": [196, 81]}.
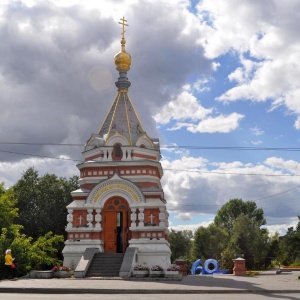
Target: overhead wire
{"type": "Point", "coordinates": [38, 155]}
{"type": "Point", "coordinates": [166, 169]}
{"type": "Point", "coordinates": [196, 147]}
{"type": "Point", "coordinates": [173, 170]}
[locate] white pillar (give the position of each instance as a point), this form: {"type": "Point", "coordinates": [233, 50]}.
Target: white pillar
{"type": "Point", "coordinates": [167, 219]}
{"type": "Point", "coordinates": [110, 154]}
{"type": "Point", "coordinates": [133, 217]}
{"type": "Point", "coordinates": [107, 154]}
{"type": "Point", "coordinates": [129, 152]}
{"type": "Point", "coordinates": [98, 219]}
{"type": "Point", "coordinates": [141, 217]}
{"type": "Point", "coordinates": [162, 217]}
{"type": "Point", "coordinates": [90, 218]}
{"type": "Point", "coordinates": [70, 218]}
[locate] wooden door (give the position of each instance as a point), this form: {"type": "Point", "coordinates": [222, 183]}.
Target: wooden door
{"type": "Point", "coordinates": [110, 233]}
{"type": "Point", "coordinates": [116, 214]}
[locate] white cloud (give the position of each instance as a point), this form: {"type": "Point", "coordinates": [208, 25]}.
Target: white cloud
{"type": "Point", "coordinates": [264, 36]}
{"type": "Point", "coordinates": [297, 123]}
{"type": "Point", "coordinates": [203, 187]}
{"type": "Point", "coordinates": [56, 85]}
{"type": "Point", "coordinates": [62, 167]}
{"type": "Point", "coordinates": [184, 106]}
{"type": "Point", "coordinates": [57, 78]}
{"type": "Point", "coordinates": [201, 85]}
{"type": "Point", "coordinates": [257, 131]}
{"type": "Point", "coordinates": [220, 123]}
{"type": "Point", "coordinates": [288, 165]}
{"type": "Point", "coordinates": [191, 227]}
{"type": "Point", "coordinates": [281, 228]}
{"type": "Point", "coordinates": [184, 217]}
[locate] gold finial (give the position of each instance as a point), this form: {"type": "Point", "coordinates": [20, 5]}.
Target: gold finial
{"type": "Point", "coordinates": [123, 59]}
{"type": "Point", "coordinates": [123, 26]}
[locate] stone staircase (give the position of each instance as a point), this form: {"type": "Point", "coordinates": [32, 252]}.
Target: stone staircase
{"type": "Point", "coordinates": [105, 265]}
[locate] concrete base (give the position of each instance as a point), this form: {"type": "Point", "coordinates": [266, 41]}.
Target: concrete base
{"type": "Point", "coordinates": [41, 274]}
{"type": "Point", "coordinates": [152, 252]}
{"type": "Point", "coordinates": [74, 250]}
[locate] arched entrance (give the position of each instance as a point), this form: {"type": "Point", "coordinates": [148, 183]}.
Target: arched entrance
{"type": "Point", "coordinates": [116, 220]}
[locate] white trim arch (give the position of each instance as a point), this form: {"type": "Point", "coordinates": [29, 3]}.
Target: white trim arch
{"type": "Point", "coordinates": [117, 138]}
{"type": "Point", "coordinates": [144, 140]}
{"type": "Point", "coordinates": [115, 186]}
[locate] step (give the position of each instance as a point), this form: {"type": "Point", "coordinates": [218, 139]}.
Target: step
{"type": "Point", "coordinates": [105, 265]}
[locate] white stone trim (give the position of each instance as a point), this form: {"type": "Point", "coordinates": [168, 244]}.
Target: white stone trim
{"type": "Point", "coordinates": [115, 186]}
{"type": "Point", "coordinates": [144, 140]}
{"type": "Point", "coordinates": [117, 138]}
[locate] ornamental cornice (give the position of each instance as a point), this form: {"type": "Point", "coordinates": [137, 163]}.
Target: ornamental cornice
{"type": "Point", "coordinates": [115, 186]}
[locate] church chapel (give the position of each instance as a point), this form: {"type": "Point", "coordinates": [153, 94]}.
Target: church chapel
{"type": "Point", "coordinates": [120, 203]}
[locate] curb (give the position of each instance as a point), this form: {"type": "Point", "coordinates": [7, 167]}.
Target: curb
{"type": "Point", "coordinates": [138, 291]}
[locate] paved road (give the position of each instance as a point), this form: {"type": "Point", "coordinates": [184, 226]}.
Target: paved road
{"type": "Point", "coordinates": [265, 283]}
{"type": "Point", "coordinates": [151, 297]}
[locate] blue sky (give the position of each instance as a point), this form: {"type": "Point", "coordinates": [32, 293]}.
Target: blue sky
{"type": "Point", "coordinates": [203, 75]}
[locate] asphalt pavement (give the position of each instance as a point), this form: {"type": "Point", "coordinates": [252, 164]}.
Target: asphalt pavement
{"type": "Point", "coordinates": [266, 282]}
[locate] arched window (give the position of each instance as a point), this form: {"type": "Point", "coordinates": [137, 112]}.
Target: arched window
{"type": "Point", "coordinates": [117, 153]}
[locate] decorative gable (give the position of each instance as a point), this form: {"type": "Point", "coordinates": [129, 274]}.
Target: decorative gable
{"type": "Point", "coordinates": [117, 138]}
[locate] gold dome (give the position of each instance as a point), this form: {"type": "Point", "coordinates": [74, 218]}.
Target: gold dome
{"type": "Point", "coordinates": [123, 59]}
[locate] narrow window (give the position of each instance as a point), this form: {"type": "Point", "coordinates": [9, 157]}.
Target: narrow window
{"type": "Point", "coordinates": [117, 152]}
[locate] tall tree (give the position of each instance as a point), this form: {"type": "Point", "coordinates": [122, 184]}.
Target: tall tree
{"type": "Point", "coordinates": [249, 240]}
{"type": "Point", "coordinates": [180, 243]}
{"type": "Point", "coordinates": [290, 246]}
{"type": "Point", "coordinates": [230, 211]}
{"type": "Point", "coordinates": [274, 249]}
{"type": "Point", "coordinates": [42, 202]}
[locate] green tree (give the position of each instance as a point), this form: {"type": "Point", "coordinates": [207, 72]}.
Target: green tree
{"type": "Point", "coordinates": [8, 214]}
{"type": "Point", "coordinates": [180, 243]}
{"type": "Point", "coordinates": [274, 250]}
{"type": "Point", "coordinates": [249, 240]}
{"type": "Point", "coordinates": [230, 211]}
{"type": "Point", "coordinates": [8, 210]}
{"type": "Point", "coordinates": [42, 202]}
{"type": "Point", "coordinates": [209, 242]}
{"type": "Point", "coordinates": [29, 255]}
{"type": "Point", "coordinates": [290, 246]}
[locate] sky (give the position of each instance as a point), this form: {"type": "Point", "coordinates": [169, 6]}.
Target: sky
{"type": "Point", "coordinates": [216, 81]}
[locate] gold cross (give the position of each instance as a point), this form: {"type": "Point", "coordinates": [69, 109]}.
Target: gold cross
{"type": "Point", "coordinates": [123, 24]}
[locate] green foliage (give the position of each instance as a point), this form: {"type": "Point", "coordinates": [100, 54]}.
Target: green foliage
{"type": "Point", "coordinates": [289, 246]}
{"type": "Point", "coordinates": [42, 253]}
{"type": "Point", "coordinates": [273, 251]}
{"type": "Point", "coordinates": [180, 243]}
{"type": "Point", "coordinates": [236, 232]}
{"type": "Point", "coordinates": [29, 253]}
{"type": "Point", "coordinates": [230, 211]}
{"type": "Point", "coordinates": [226, 262]}
{"type": "Point", "coordinates": [8, 211]}
{"type": "Point", "coordinates": [249, 240]}
{"type": "Point", "coordinates": [209, 242]}
{"type": "Point", "coordinates": [42, 202]}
